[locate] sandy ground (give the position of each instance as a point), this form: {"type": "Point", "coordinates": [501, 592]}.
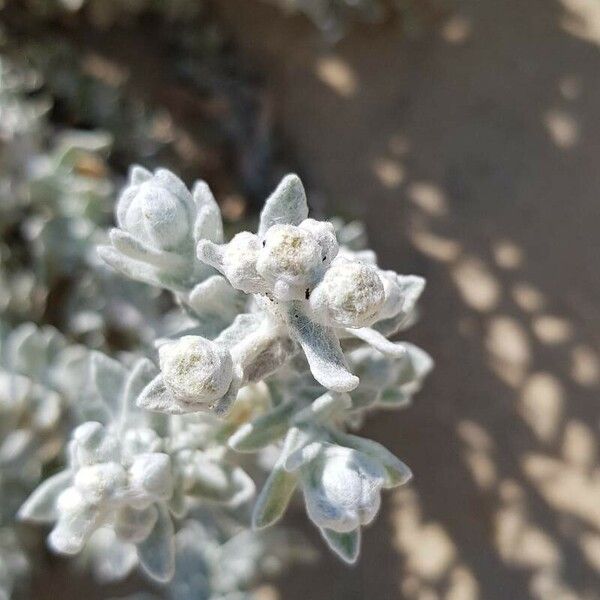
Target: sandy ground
{"type": "Point", "coordinates": [471, 152]}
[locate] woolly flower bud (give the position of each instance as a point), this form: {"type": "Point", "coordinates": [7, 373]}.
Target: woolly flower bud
{"type": "Point", "coordinates": [93, 444]}
{"type": "Point", "coordinates": [290, 261]}
{"type": "Point", "coordinates": [150, 476]}
{"type": "Point", "coordinates": [342, 489]}
{"type": "Point", "coordinates": [139, 440]}
{"type": "Point", "coordinates": [324, 234]}
{"type": "Point", "coordinates": [236, 260]}
{"type": "Point", "coordinates": [393, 294]}
{"type": "Point", "coordinates": [100, 482]}
{"type": "Point", "coordinates": [350, 295]}
{"type": "Point", "coordinates": [155, 212]}
{"type": "Point", "coordinates": [195, 370]}
{"type": "Point", "coordinates": [77, 518]}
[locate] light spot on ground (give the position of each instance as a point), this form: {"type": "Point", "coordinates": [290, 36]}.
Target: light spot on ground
{"type": "Point", "coordinates": [541, 405]}
{"type": "Point", "coordinates": [338, 75]}
{"type": "Point", "coordinates": [478, 287]}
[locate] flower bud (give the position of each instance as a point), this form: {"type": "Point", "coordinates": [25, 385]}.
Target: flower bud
{"type": "Point", "coordinates": [393, 294]}
{"type": "Point", "coordinates": [139, 440]}
{"type": "Point", "coordinates": [324, 234]}
{"type": "Point", "coordinates": [350, 294]}
{"type": "Point", "coordinates": [77, 519]}
{"type": "Point", "coordinates": [101, 481]}
{"type": "Point", "coordinates": [195, 370]}
{"type": "Point", "coordinates": [236, 260]}
{"type": "Point", "coordinates": [239, 262]}
{"type": "Point", "coordinates": [150, 476]}
{"type": "Point", "coordinates": [290, 261]}
{"type": "Point", "coordinates": [93, 444]}
{"type": "Point", "coordinates": [342, 488]}
{"type": "Point", "coordinates": [155, 212]}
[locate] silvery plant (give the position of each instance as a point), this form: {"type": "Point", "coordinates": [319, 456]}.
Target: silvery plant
{"type": "Point", "coordinates": [56, 197]}
{"type": "Point", "coordinates": [40, 374]}
{"type": "Point", "coordinates": [282, 348]}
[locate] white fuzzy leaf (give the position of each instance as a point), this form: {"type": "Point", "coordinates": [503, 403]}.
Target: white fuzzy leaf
{"type": "Point", "coordinates": [323, 351]}
{"type": "Point", "coordinates": [137, 250]}
{"type": "Point", "coordinates": [397, 472]}
{"type": "Point", "coordinates": [127, 266]}
{"type": "Point", "coordinates": [208, 225]}
{"type": "Point", "coordinates": [156, 397]}
{"type": "Point", "coordinates": [41, 505]}
{"type": "Point", "coordinates": [378, 341]}
{"type": "Point", "coordinates": [109, 381]}
{"type": "Point", "coordinates": [286, 205]}
{"type": "Point", "coordinates": [157, 552]}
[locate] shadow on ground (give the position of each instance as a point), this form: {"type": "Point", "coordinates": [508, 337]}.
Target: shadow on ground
{"type": "Point", "coordinates": [471, 152]}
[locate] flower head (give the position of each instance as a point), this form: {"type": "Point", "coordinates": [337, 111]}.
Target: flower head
{"type": "Point", "coordinates": [342, 488]}
{"type": "Point", "coordinates": [195, 370]}
{"type": "Point", "coordinates": [351, 294]}
{"type": "Point", "coordinates": [156, 209]}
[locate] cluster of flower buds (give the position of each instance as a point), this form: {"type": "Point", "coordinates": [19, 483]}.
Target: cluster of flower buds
{"type": "Point", "coordinates": [123, 475]}
{"type": "Point", "coordinates": [307, 293]}
{"type": "Point", "coordinates": [159, 220]}
{"type": "Point", "coordinates": [39, 374]}
{"type": "Point", "coordinates": [159, 224]}
{"type": "Point", "coordinates": [310, 345]}
{"type": "Point", "coordinates": [107, 483]}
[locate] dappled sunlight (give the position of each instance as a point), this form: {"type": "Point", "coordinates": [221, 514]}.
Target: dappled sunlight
{"type": "Point", "coordinates": [579, 446]}
{"type": "Point", "coordinates": [390, 173]}
{"type": "Point", "coordinates": [478, 287]}
{"type": "Point", "coordinates": [585, 367]}
{"type": "Point", "coordinates": [551, 329]}
{"type": "Point", "coordinates": [582, 19]}
{"type": "Point", "coordinates": [456, 30]}
{"type": "Point", "coordinates": [562, 127]}
{"type": "Point", "coordinates": [527, 297]}
{"type": "Point", "coordinates": [478, 453]}
{"type": "Point", "coordinates": [436, 247]}
{"type": "Point", "coordinates": [508, 349]}
{"type": "Point", "coordinates": [541, 483]}
{"type": "Point", "coordinates": [338, 75]}
{"type": "Point", "coordinates": [428, 197]}
{"type": "Point", "coordinates": [474, 162]}
{"type": "Point", "coordinates": [432, 565]}
{"type": "Point", "coordinates": [519, 542]}
{"type": "Point", "coordinates": [545, 470]}
{"type": "Point", "coordinates": [507, 254]}
{"type": "Point", "coordinates": [541, 405]}
{"type": "Point", "coordinates": [566, 487]}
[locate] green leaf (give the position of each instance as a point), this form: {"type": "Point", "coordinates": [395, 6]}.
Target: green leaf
{"type": "Point", "coordinates": [273, 498]}
{"type": "Point", "coordinates": [264, 430]}
{"type": "Point", "coordinates": [345, 545]}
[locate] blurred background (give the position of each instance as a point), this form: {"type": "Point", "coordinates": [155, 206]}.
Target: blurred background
{"type": "Point", "coordinates": [466, 136]}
